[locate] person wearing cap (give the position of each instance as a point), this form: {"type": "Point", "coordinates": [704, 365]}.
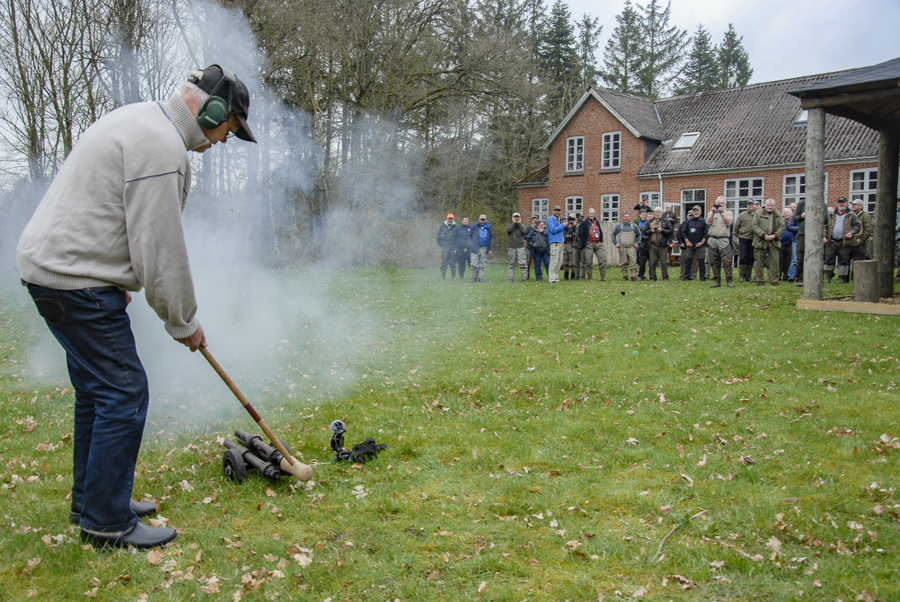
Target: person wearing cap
{"type": "Point", "coordinates": [787, 244]}
{"type": "Point", "coordinates": [568, 265]}
{"type": "Point", "coordinates": [643, 247]}
{"type": "Point", "coordinates": [861, 250]}
{"type": "Point", "coordinates": [447, 242]}
{"type": "Point", "coordinates": [718, 241]}
{"type": "Point", "coordinates": [657, 233]}
{"type": "Point", "coordinates": [480, 242]}
{"type": "Point", "coordinates": [461, 240]}
{"type": "Point", "coordinates": [540, 249]}
{"type": "Point", "coordinates": [590, 233]}
{"type": "Point", "coordinates": [692, 235]}
{"type": "Point", "coordinates": [842, 230]}
{"type": "Point", "coordinates": [768, 226]}
{"type": "Point", "coordinates": [625, 237]}
{"type": "Point", "coordinates": [743, 229]}
{"type": "Point", "coordinates": [515, 247]}
{"type": "Point", "coordinates": [108, 225]}
{"type": "Point", "coordinates": [528, 249]}
{"type": "Point", "coordinates": [555, 233]}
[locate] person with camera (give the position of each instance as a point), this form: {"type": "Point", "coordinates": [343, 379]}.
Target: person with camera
{"type": "Point", "coordinates": [539, 245]}
{"type": "Point", "coordinates": [718, 240]}
{"type": "Point", "coordinates": [658, 232]}
{"type": "Point", "coordinates": [568, 248]}
{"type": "Point", "coordinates": [447, 243]}
{"type": "Point", "coordinates": [515, 247]}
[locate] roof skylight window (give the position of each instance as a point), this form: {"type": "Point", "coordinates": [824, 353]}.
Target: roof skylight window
{"type": "Point", "coordinates": [686, 141]}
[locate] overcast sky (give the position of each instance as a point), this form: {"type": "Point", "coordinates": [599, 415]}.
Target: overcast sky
{"type": "Point", "coordinates": [784, 38]}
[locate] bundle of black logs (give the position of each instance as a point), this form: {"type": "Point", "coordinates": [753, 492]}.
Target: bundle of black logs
{"type": "Point", "coordinates": [254, 454]}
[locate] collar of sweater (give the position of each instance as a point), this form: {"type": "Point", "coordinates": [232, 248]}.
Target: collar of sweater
{"type": "Point", "coordinates": [185, 121]}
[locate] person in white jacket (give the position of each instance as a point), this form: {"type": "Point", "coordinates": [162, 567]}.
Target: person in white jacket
{"type": "Point", "coordinates": [110, 224]}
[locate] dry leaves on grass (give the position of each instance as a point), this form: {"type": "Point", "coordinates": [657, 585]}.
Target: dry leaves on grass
{"type": "Point", "coordinates": [683, 582]}
{"type": "Point", "coordinates": [211, 587]}
{"type": "Point", "coordinates": [30, 566]}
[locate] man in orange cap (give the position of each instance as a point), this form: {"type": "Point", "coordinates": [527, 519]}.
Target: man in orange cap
{"type": "Point", "coordinates": [447, 242]}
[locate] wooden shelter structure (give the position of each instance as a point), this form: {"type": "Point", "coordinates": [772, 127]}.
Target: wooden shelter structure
{"type": "Point", "coordinates": [870, 96]}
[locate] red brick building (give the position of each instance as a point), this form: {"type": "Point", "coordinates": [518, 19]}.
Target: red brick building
{"type": "Point", "coordinates": [614, 149]}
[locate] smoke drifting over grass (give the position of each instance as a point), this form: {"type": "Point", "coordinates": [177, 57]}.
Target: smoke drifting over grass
{"type": "Point", "coordinates": [274, 332]}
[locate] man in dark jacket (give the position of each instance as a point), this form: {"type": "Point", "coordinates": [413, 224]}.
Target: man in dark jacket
{"type": "Point", "coordinates": [787, 241]}
{"type": "Point", "coordinates": [842, 230]}
{"type": "Point", "coordinates": [515, 247]}
{"type": "Point", "coordinates": [461, 236]}
{"type": "Point", "coordinates": [591, 236]}
{"type": "Point", "coordinates": [657, 232]}
{"type": "Point", "coordinates": [692, 239]}
{"type": "Point", "coordinates": [480, 243]}
{"type": "Point", "coordinates": [643, 248]}
{"type": "Point", "coordinates": [446, 241]}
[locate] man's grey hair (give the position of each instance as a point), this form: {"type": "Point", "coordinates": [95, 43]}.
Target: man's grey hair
{"type": "Point", "coordinates": [190, 91]}
{"type": "Point", "coordinates": [655, 209]}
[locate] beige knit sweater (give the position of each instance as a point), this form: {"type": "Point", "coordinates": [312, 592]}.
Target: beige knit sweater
{"type": "Point", "coordinates": [112, 215]}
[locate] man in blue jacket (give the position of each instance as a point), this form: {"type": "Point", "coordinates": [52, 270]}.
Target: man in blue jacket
{"type": "Point", "coordinates": [480, 242]}
{"type": "Point", "coordinates": [556, 234]}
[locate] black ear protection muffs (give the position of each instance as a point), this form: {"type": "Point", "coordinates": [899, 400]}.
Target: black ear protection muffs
{"type": "Point", "coordinates": [216, 110]}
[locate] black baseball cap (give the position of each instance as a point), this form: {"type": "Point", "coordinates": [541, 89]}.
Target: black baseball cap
{"type": "Point", "coordinates": [223, 83]}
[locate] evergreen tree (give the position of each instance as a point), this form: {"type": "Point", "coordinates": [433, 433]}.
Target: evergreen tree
{"type": "Point", "coordinates": [701, 70]}
{"type": "Point", "coordinates": [621, 58]}
{"type": "Point", "coordinates": [558, 54]}
{"type": "Point", "coordinates": [559, 60]}
{"type": "Point", "coordinates": [734, 62]}
{"type": "Point", "coordinates": [661, 51]}
{"type": "Point", "coordinates": [588, 35]}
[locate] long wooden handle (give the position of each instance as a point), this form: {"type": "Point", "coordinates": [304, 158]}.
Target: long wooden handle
{"type": "Point", "coordinates": [237, 393]}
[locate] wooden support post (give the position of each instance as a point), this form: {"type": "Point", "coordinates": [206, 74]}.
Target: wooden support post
{"type": "Point", "coordinates": [815, 205]}
{"type": "Point", "coordinates": [865, 281]}
{"type": "Point", "coordinates": [885, 207]}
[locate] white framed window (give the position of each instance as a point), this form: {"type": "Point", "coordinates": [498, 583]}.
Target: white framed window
{"type": "Point", "coordinates": [540, 208]}
{"type": "Point", "coordinates": [652, 198]}
{"type": "Point", "coordinates": [609, 208]}
{"type": "Point", "coordinates": [864, 185]}
{"type": "Point", "coordinates": [802, 118]}
{"type": "Point", "coordinates": [686, 141]}
{"type": "Point", "coordinates": [739, 192]}
{"type": "Point", "coordinates": [612, 150]}
{"type": "Point", "coordinates": [574, 204]}
{"type": "Point", "coordinates": [794, 189]}
{"type": "Point", "coordinates": [691, 197]}
{"type": "Point", "coordinates": [575, 153]}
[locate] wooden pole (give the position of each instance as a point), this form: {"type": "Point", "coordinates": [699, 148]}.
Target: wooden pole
{"type": "Point", "coordinates": [815, 205]}
{"type": "Point", "coordinates": [885, 207]}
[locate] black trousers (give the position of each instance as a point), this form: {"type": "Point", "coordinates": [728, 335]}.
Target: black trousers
{"type": "Point", "coordinates": [745, 251]}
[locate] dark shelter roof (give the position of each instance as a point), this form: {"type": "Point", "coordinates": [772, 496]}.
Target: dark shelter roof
{"type": "Point", "coordinates": [869, 95]}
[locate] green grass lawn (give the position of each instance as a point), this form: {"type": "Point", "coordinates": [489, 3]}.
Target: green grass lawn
{"type": "Point", "coordinates": [544, 442]}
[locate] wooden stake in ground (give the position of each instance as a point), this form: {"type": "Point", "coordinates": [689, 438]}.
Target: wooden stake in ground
{"type": "Point", "coordinates": [289, 464]}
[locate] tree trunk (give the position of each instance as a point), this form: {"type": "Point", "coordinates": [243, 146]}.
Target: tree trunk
{"type": "Point", "coordinates": [885, 205]}
{"type": "Point", "coordinates": [865, 281]}
{"type": "Point", "coordinates": [815, 205]}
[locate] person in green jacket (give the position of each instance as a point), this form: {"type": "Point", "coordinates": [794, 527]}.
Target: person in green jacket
{"type": "Point", "coordinates": [768, 226]}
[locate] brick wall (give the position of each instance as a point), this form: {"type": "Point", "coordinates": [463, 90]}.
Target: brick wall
{"type": "Point", "coordinates": [594, 120]}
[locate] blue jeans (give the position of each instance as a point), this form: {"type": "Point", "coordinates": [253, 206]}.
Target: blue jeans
{"type": "Point", "coordinates": [111, 398]}
{"type": "Point", "coordinates": [792, 270]}
{"type": "Point", "coordinates": [538, 260]}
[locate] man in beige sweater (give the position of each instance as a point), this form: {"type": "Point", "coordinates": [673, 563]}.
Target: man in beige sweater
{"type": "Point", "coordinates": [110, 224]}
